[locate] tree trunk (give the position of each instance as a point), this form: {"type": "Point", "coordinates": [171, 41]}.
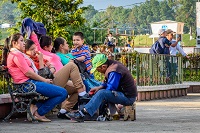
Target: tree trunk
{"type": "Point", "coordinates": [190, 32]}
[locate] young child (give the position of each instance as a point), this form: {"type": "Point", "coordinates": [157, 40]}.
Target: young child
{"type": "Point", "coordinates": [81, 51]}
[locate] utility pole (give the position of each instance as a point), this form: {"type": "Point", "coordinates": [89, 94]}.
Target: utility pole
{"type": "Point", "coordinates": [198, 24]}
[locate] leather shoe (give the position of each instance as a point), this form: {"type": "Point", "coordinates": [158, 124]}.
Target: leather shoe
{"type": "Point", "coordinates": [62, 116]}
{"type": "Point", "coordinates": [42, 119]}
{"type": "Point", "coordinates": [77, 116]}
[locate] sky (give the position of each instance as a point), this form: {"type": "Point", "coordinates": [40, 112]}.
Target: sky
{"type": "Point", "coordinates": [103, 4]}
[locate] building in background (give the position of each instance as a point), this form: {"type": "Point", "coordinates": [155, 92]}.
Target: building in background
{"type": "Point", "coordinates": [166, 24]}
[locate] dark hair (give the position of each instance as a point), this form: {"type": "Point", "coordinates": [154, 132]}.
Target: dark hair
{"type": "Point", "coordinates": [8, 45]}
{"type": "Point", "coordinates": [14, 38]}
{"type": "Point", "coordinates": [28, 44]}
{"type": "Point", "coordinates": [57, 42]}
{"type": "Point", "coordinates": [5, 51]}
{"type": "Point", "coordinates": [80, 34]}
{"type": "Point", "coordinates": [94, 45]}
{"type": "Point", "coordinates": [45, 41]}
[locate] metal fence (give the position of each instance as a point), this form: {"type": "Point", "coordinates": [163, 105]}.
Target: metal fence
{"type": "Point", "coordinates": [151, 69]}
{"type": "Point", "coordinates": [147, 69]}
{"type": "Point", "coordinates": [154, 69]}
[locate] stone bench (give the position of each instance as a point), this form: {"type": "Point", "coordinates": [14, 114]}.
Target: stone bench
{"type": "Point", "coordinates": [161, 91]}
{"type": "Point", "coordinates": [5, 105]}
{"type": "Point", "coordinates": [194, 87]}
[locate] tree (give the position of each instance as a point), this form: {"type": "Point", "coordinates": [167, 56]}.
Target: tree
{"type": "Point", "coordinates": [185, 12]}
{"type": "Point", "coordinates": [8, 12]}
{"type": "Point", "coordinates": [89, 13]}
{"type": "Point", "coordinates": [58, 16]}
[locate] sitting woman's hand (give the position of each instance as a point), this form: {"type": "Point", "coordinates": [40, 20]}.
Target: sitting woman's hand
{"type": "Point", "coordinates": [48, 81]}
{"type": "Point", "coordinates": [39, 55]}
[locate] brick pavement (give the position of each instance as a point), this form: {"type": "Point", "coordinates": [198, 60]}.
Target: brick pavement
{"type": "Point", "coordinates": [180, 115]}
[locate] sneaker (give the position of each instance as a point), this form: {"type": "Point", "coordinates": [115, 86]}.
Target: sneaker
{"type": "Point", "coordinates": [86, 96]}
{"type": "Point", "coordinates": [62, 115]}
{"type": "Point", "coordinates": [77, 116]}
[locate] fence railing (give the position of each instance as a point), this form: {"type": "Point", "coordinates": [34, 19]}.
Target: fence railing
{"type": "Point", "coordinates": [154, 69]}
{"type": "Point", "coordinates": [147, 69]}
{"type": "Point", "coordinates": [150, 69]}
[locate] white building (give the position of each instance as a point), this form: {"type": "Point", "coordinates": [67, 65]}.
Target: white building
{"type": "Point", "coordinates": [5, 25]}
{"type": "Point", "coordinates": [166, 24]}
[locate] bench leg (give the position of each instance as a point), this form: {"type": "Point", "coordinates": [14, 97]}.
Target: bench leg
{"type": "Point", "coordinates": [11, 113]}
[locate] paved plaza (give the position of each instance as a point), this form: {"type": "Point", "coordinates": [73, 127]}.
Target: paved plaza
{"type": "Point", "coordinates": [177, 115]}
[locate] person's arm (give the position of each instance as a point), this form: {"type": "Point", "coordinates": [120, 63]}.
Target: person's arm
{"type": "Point", "coordinates": [178, 47]}
{"type": "Point", "coordinates": [112, 84]}
{"type": "Point", "coordinates": [40, 59]}
{"type": "Point", "coordinates": [82, 58]}
{"type": "Point", "coordinates": [113, 81]}
{"type": "Point", "coordinates": [35, 76]}
{"type": "Point", "coordinates": [22, 64]}
{"type": "Point", "coordinates": [174, 44]}
{"type": "Point", "coordinates": [85, 53]}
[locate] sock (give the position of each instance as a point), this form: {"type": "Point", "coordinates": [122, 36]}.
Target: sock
{"type": "Point", "coordinates": [82, 93]}
{"type": "Point", "coordinates": [62, 111]}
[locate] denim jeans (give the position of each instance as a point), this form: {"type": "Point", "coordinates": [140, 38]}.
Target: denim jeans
{"type": "Point", "coordinates": [108, 96]}
{"type": "Point", "coordinates": [55, 95]}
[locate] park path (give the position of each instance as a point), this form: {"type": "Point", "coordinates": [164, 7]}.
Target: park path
{"type": "Point", "coordinates": [175, 115]}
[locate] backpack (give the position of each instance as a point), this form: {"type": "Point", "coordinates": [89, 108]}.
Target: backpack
{"type": "Point", "coordinates": [157, 47]}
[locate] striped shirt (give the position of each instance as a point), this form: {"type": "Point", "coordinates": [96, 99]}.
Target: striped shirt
{"type": "Point", "coordinates": [83, 51]}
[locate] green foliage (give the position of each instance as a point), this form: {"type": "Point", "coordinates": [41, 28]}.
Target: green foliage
{"type": "Point", "coordinates": [8, 12]}
{"type": "Point", "coordinates": [58, 16]}
{"type": "Point", "coordinates": [191, 67]}
{"type": "Point", "coordinates": [186, 12]}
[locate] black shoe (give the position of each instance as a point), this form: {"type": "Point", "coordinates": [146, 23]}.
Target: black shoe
{"type": "Point", "coordinates": [86, 96]}
{"type": "Point", "coordinates": [77, 116]}
{"type": "Point", "coordinates": [63, 116]}
{"type": "Point", "coordinates": [83, 98]}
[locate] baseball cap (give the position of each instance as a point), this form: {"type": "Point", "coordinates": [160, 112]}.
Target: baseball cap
{"type": "Point", "coordinates": [169, 31]}
{"type": "Point", "coordinates": [161, 31]}
{"type": "Point", "coordinates": [97, 61]}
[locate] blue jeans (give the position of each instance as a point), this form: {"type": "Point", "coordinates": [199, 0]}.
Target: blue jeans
{"type": "Point", "coordinates": [55, 94]}
{"type": "Point", "coordinates": [108, 96]}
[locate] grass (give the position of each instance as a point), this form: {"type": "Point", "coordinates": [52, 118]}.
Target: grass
{"type": "Point", "coordinates": [145, 41]}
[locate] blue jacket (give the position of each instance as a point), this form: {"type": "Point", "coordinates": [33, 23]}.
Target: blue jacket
{"type": "Point", "coordinates": [28, 25]}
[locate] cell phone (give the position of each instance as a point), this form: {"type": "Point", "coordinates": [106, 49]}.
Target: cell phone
{"type": "Point", "coordinates": [179, 36]}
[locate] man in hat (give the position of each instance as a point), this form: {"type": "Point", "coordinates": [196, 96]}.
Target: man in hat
{"type": "Point", "coordinates": [177, 47]}
{"type": "Point", "coordinates": [164, 44]}
{"type": "Point", "coordinates": [119, 87]}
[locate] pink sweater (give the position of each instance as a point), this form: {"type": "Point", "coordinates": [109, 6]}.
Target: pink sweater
{"type": "Point", "coordinates": [18, 65]}
{"type": "Point", "coordinates": [51, 57]}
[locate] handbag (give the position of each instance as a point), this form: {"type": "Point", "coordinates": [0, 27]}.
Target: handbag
{"type": "Point", "coordinates": [91, 83]}
{"type": "Point", "coordinates": [81, 66]}
{"type": "Point", "coordinates": [45, 73]}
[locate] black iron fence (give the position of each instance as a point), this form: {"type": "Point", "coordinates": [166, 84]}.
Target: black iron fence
{"type": "Point", "coordinates": [149, 69]}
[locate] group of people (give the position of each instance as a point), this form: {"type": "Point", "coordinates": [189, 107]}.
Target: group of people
{"type": "Point", "coordinates": [168, 45]}
{"type": "Point", "coordinates": [25, 57]}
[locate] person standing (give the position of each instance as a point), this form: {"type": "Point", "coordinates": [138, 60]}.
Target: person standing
{"type": "Point", "coordinates": [173, 50]}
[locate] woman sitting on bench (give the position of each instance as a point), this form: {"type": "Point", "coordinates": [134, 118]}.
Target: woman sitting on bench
{"type": "Point", "coordinates": [22, 69]}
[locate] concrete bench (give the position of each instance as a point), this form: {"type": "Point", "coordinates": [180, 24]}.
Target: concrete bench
{"type": "Point", "coordinates": [161, 91]}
